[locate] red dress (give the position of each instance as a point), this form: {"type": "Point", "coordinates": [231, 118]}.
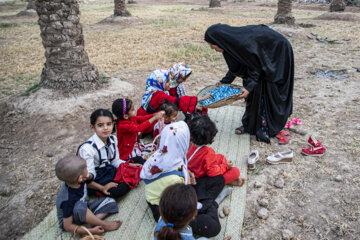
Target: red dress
{"type": "Point", "coordinates": [186, 104]}
{"type": "Point", "coordinates": [127, 133]}
{"type": "Point", "coordinates": [206, 162]}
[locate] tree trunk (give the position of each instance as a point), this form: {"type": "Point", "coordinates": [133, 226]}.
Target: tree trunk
{"type": "Point", "coordinates": [283, 15]}
{"type": "Point", "coordinates": [67, 64]}
{"type": "Point", "coordinates": [337, 6]}
{"type": "Point", "coordinates": [120, 9]}
{"type": "Point", "coordinates": [31, 5]}
{"type": "Point", "coordinates": [214, 3]}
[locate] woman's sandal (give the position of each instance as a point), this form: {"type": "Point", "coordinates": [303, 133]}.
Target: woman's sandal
{"type": "Point", "coordinates": [240, 130]}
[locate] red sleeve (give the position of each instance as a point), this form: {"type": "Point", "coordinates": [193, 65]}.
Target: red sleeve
{"type": "Point", "coordinates": [187, 104]}
{"type": "Point", "coordinates": [133, 127]}
{"type": "Point", "coordinates": [216, 164]}
{"type": "Point", "coordinates": [141, 119]}
{"type": "Point", "coordinates": [159, 97]}
{"type": "Point", "coordinates": [173, 92]}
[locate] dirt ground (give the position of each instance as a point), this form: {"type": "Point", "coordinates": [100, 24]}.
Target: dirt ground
{"type": "Point", "coordinates": [311, 198]}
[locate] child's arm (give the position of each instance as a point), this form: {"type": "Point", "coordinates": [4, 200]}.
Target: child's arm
{"type": "Point", "coordinates": [216, 164]}
{"type": "Point", "coordinates": [117, 161]}
{"type": "Point", "coordinates": [102, 188]}
{"type": "Point", "coordinates": [70, 227]}
{"type": "Point", "coordinates": [87, 152]}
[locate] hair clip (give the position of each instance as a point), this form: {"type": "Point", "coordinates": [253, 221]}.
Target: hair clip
{"type": "Point", "coordinates": [170, 224]}
{"type": "Point", "coordinates": [124, 106]}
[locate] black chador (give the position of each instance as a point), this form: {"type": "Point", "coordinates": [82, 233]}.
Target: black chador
{"type": "Point", "coordinates": [264, 59]}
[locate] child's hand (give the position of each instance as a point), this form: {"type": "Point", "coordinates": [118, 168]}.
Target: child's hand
{"type": "Point", "coordinates": [159, 115]}
{"type": "Point", "coordinates": [199, 109]}
{"type": "Point", "coordinates": [135, 164]}
{"type": "Point", "coordinates": [206, 96]}
{"type": "Point", "coordinates": [230, 164]}
{"type": "Point", "coordinates": [97, 230]}
{"type": "Point", "coordinates": [108, 186]}
{"type": "Point", "coordinates": [192, 178]}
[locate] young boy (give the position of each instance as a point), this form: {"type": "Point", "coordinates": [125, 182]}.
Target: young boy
{"type": "Point", "coordinates": [72, 202]}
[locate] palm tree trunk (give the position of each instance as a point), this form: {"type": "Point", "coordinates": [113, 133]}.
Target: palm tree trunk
{"type": "Point", "coordinates": [337, 6]}
{"type": "Point", "coordinates": [214, 3]}
{"type": "Point", "coordinates": [120, 9]}
{"type": "Point", "coordinates": [67, 64]}
{"type": "Point", "coordinates": [283, 15]}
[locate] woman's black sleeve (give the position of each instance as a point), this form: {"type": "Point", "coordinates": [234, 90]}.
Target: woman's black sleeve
{"type": "Point", "coordinates": [229, 78]}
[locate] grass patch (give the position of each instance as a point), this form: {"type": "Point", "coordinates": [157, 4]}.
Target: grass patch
{"type": "Point", "coordinates": [31, 89]}
{"type": "Point", "coordinates": [8, 25]}
{"type": "Point", "coordinates": [191, 52]}
{"type": "Point", "coordinates": [165, 23]}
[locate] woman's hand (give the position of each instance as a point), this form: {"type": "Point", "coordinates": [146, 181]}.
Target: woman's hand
{"type": "Point", "coordinates": [218, 84]}
{"type": "Point", "coordinates": [206, 96]}
{"type": "Point", "coordinates": [244, 93]}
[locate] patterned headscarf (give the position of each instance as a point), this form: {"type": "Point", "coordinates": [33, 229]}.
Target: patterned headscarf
{"type": "Point", "coordinates": [155, 82]}
{"type": "Point", "coordinates": [177, 71]}
{"type": "Point", "coordinates": [158, 78]}
{"type": "Point", "coordinates": [171, 155]}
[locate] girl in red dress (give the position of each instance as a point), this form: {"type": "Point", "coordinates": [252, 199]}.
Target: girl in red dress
{"type": "Point", "coordinates": [128, 126]}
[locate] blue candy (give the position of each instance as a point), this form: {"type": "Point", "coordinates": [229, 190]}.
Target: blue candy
{"type": "Point", "coordinates": [220, 93]}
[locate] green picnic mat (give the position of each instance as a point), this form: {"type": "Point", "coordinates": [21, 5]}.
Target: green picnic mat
{"type": "Point", "coordinates": [138, 223]}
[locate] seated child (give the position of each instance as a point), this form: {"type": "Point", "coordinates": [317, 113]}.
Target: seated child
{"type": "Point", "coordinates": [128, 126]}
{"type": "Point", "coordinates": [202, 160]}
{"type": "Point", "coordinates": [102, 156]}
{"type": "Point", "coordinates": [171, 114]}
{"type": "Point", "coordinates": [178, 204]}
{"type": "Point", "coordinates": [72, 203]}
{"type": "Point", "coordinates": [177, 208]}
{"type": "Point", "coordinates": [167, 165]}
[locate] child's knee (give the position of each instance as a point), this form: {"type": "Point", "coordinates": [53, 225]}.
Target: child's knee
{"type": "Point", "coordinates": [79, 212]}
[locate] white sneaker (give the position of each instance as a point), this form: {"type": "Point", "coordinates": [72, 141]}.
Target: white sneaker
{"type": "Point", "coordinates": [281, 157]}
{"type": "Point", "coordinates": [252, 159]}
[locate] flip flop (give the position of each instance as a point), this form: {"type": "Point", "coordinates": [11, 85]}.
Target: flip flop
{"type": "Point", "coordinates": [241, 129]}
{"type": "Point", "coordinates": [281, 134]}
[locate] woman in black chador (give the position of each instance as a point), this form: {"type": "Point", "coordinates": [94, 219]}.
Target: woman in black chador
{"type": "Point", "coordinates": [264, 59]}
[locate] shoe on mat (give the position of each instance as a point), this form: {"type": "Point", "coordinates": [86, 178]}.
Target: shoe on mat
{"type": "Point", "coordinates": [252, 159]}
{"type": "Point", "coordinates": [314, 151]}
{"type": "Point", "coordinates": [283, 133]}
{"type": "Point", "coordinates": [313, 142]}
{"type": "Point", "coordinates": [284, 140]}
{"type": "Point", "coordinates": [280, 157]}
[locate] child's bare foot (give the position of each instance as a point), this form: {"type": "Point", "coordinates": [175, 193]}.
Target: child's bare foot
{"type": "Point", "coordinates": [111, 226]}
{"type": "Point", "coordinates": [227, 238]}
{"type": "Point", "coordinates": [238, 182]}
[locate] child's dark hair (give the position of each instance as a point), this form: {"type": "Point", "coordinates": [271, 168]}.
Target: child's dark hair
{"type": "Point", "coordinates": [202, 129]}
{"type": "Point", "coordinates": [168, 107]}
{"type": "Point", "coordinates": [177, 208]}
{"type": "Point", "coordinates": [118, 107]}
{"type": "Point", "coordinates": [101, 113]}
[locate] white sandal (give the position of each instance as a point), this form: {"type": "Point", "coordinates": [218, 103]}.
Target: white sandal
{"type": "Point", "coordinates": [252, 159]}
{"type": "Point", "coordinates": [280, 157]}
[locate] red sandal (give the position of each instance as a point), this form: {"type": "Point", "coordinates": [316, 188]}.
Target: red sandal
{"type": "Point", "coordinates": [284, 140]}
{"type": "Point", "coordinates": [281, 134]}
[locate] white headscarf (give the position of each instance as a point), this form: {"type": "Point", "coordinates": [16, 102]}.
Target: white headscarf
{"type": "Point", "coordinates": [171, 155]}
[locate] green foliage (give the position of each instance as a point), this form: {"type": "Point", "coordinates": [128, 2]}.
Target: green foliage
{"type": "Point", "coordinates": [164, 23]}
{"type": "Point", "coordinates": [8, 25]}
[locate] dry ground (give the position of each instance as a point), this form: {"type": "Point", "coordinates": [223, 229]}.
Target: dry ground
{"type": "Point", "coordinates": [320, 197]}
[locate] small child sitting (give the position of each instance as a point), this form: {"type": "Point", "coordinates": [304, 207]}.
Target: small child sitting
{"type": "Point", "coordinates": [171, 114]}
{"type": "Point", "coordinates": [202, 160]}
{"type": "Point", "coordinates": [72, 202]}
{"type": "Point", "coordinates": [177, 208]}
{"type": "Point", "coordinates": [128, 126]}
